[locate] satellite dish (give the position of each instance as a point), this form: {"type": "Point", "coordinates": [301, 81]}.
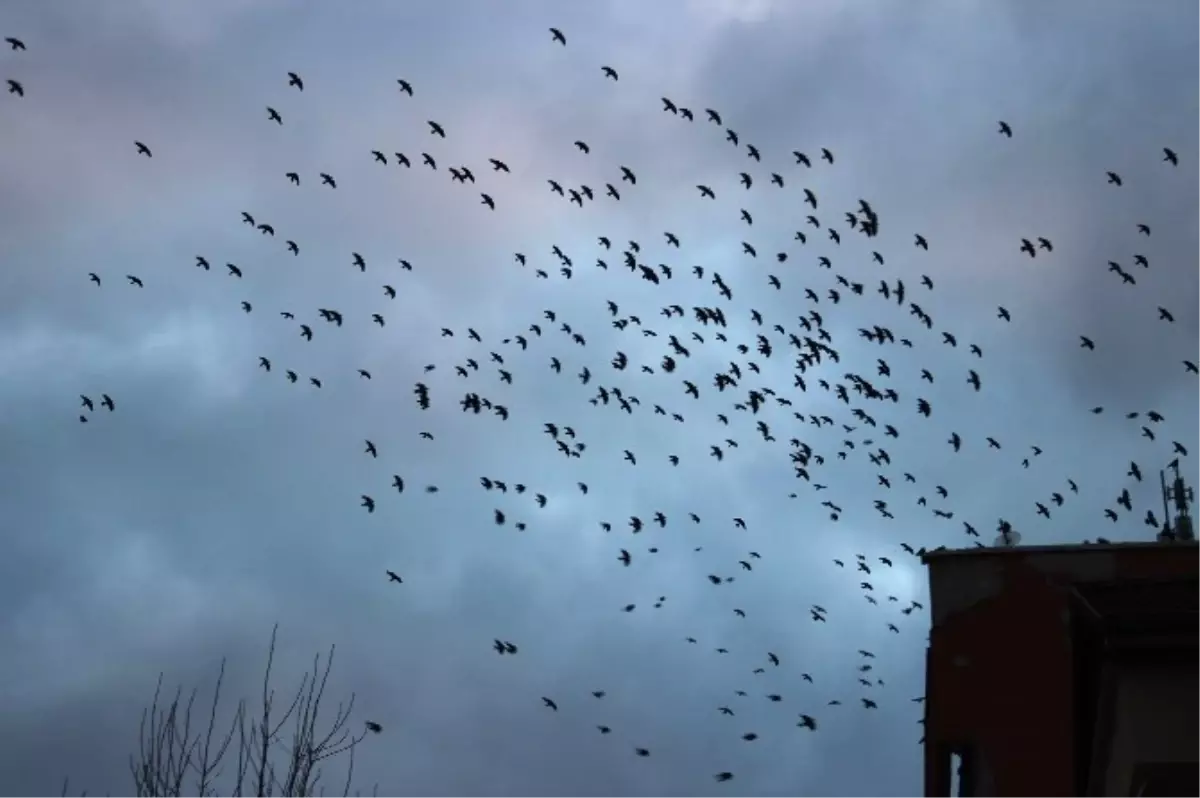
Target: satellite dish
{"type": "Point", "coordinates": [1007, 539]}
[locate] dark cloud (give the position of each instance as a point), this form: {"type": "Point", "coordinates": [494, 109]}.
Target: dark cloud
{"type": "Point", "coordinates": [219, 499]}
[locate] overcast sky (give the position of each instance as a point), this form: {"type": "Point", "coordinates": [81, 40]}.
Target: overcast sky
{"type": "Point", "coordinates": [218, 498]}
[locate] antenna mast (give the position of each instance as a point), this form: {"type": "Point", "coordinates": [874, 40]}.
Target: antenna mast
{"type": "Point", "coordinates": [1179, 494]}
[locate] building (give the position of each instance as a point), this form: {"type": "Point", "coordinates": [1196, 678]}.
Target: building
{"type": "Point", "coordinates": [1063, 670]}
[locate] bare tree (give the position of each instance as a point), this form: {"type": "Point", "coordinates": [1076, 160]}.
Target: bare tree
{"type": "Point", "coordinates": [264, 753]}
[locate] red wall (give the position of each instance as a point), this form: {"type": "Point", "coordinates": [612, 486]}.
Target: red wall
{"type": "Point", "coordinates": [1012, 700]}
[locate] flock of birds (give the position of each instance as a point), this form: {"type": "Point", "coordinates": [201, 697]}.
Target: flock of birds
{"type": "Point", "coordinates": [875, 406]}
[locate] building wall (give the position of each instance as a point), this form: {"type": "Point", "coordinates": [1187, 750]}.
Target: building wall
{"type": "Point", "coordinates": [1156, 720]}
{"type": "Point", "coordinates": [999, 684]}
{"type": "Point", "coordinates": [959, 580]}
{"type": "Point", "coordinates": [1001, 670]}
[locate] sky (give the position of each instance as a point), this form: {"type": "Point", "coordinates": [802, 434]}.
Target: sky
{"type": "Point", "coordinates": [218, 499]}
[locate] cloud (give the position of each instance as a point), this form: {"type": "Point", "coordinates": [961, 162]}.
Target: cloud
{"type": "Point", "coordinates": [219, 498]}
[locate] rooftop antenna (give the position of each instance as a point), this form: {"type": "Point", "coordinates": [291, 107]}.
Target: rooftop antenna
{"type": "Point", "coordinates": [1179, 494]}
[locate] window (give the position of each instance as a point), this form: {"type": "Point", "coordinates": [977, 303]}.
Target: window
{"type": "Point", "coordinates": [961, 771]}
{"type": "Point", "coordinates": [956, 773]}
